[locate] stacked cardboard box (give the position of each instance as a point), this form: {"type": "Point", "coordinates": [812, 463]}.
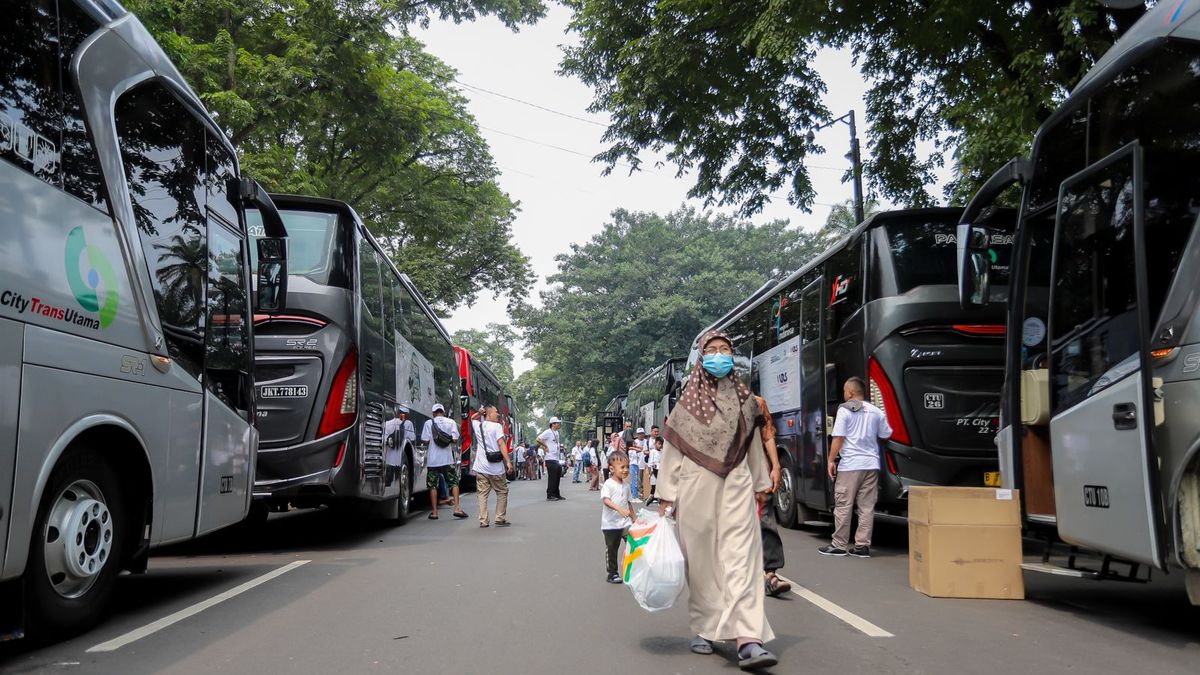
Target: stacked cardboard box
{"type": "Point", "coordinates": [965, 542]}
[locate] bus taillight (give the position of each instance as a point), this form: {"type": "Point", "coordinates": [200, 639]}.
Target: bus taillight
{"type": "Point", "coordinates": [342, 406]}
{"type": "Point", "coordinates": [883, 396]}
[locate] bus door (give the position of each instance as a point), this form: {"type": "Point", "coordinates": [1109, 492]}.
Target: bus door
{"type": "Point", "coordinates": [1101, 399]}
{"type": "Point", "coordinates": [227, 470]}
{"type": "Point", "coordinates": [813, 489]}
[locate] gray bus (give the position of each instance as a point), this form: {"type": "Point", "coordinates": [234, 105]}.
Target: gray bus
{"type": "Point", "coordinates": [357, 341]}
{"type": "Point", "coordinates": [1101, 407]}
{"type": "Point", "coordinates": [126, 386]}
{"type": "Point", "coordinates": [881, 304]}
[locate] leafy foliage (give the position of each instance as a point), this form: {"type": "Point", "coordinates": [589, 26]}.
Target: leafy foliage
{"type": "Point", "coordinates": [727, 87]}
{"type": "Point", "coordinates": [327, 98]}
{"type": "Point", "coordinates": [638, 293]}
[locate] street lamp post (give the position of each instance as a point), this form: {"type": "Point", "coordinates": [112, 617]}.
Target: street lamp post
{"type": "Point", "coordinates": [855, 161]}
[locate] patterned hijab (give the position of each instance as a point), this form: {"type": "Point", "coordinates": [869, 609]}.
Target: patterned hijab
{"type": "Point", "coordinates": [713, 425]}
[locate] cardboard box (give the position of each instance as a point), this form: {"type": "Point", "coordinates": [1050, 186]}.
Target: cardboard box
{"type": "Point", "coordinates": [965, 543]}
{"type": "Point", "coordinates": [964, 506]}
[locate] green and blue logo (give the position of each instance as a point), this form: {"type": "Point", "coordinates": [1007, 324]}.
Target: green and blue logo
{"type": "Point", "coordinates": [91, 277]}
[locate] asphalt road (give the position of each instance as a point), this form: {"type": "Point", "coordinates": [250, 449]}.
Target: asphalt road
{"type": "Point", "coordinates": [446, 596]}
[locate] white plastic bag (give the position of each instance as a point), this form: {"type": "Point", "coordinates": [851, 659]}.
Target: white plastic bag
{"type": "Point", "coordinates": [654, 566]}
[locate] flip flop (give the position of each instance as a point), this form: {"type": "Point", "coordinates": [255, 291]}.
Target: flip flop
{"type": "Point", "coordinates": [433, 516]}
{"type": "Point", "coordinates": [752, 657]}
{"type": "Point", "coordinates": [460, 514]}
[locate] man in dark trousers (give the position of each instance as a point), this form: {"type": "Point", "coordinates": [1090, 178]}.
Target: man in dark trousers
{"type": "Point", "coordinates": [550, 441]}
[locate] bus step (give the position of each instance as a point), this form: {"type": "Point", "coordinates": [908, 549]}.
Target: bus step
{"type": "Point", "coordinates": [816, 523]}
{"type": "Point", "coordinates": [1059, 570]}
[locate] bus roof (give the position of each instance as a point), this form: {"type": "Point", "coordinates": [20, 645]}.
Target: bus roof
{"type": "Point", "coordinates": [1166, 19]}
{"type": "Point", "coordinates": [483, 367]}
{"type": "Point", "coordinates": [770, 288]}
{"type": "Point", "coordinates": [654, 371]}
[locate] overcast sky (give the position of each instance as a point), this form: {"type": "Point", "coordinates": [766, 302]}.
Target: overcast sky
{"type": "Point", "coordinates": [563, 197]}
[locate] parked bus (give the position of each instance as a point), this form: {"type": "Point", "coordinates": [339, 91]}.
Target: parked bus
{"type": "Point", "coordinates": [881, 304]}
{"type": "Point", "coordinates": [478, 387]}
{"type": "Point", "coordinates": [358, 340]}
{"type": "Point", "coordinates": [1101, 409]}
{"type": "Point", "coordinates": [126, 395]}
{"type": "Point", "coordinates": [653, 395]}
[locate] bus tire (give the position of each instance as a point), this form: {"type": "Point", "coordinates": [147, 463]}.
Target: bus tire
{"type": "Point", "coordinates": [787, 508]}
{"type": "Point", "coordinates": [78, 546]}
{"type": "Point", "coordinates": [404, 501]}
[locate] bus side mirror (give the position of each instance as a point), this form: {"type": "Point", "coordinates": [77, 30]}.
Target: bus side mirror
{"type": "Point", "coordinates": [272, 275]}
{"type": "Point", "coordinates": [975, 265]}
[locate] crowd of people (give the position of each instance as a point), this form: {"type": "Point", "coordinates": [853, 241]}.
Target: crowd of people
{"type": "Point", "coordinates": [715, 470]}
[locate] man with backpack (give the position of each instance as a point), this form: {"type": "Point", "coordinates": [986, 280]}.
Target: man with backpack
{"type": "Point", "coordinates": [439, 435]}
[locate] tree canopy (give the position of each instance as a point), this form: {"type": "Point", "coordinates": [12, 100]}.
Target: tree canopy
{"type": "Point", "coordinates": [637, 294]}
{"type": "Point", "coordinates": [332, 98]}
{"type": "Point", "coordinates": [728, 90]}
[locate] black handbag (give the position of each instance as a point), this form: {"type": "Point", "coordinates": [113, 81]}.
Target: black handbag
{"type": "Point", "coordinates": [441, 438]}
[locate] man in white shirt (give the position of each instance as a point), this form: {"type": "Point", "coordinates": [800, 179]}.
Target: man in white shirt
{"type": "Point", "coordinates": [396, 433]}
{"type": "Point", "coordinates": [577, 460]}
{"type": "Point", "coordinates": [490, 476]}
{"type": "Point", "coordinates": [440, 459]}
{"type": "Point", "coordinates": [635, 463]}
{"type": "Point", "coordinates": [856, 433]}
{"type": "Point", "coordinates": [549, 441]}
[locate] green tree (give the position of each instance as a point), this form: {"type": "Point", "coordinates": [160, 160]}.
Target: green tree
{"type": "Point", "coordinates": [493, 347]}
{"type": "Point", "coordinates": [637, 294]}
{"type": "Point", "coordinates": [727, 88]}
{"type": "Point", "coordinates": [332, 98]}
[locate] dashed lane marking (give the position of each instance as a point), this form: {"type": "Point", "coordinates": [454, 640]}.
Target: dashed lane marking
{"type": "Point", "coordinates": [854, 620]}
{"type": "Point", "coordinates": [166, 621]}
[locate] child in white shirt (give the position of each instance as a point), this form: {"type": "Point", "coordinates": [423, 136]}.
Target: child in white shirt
{"type": "Point", "coordinates": [617, 514]}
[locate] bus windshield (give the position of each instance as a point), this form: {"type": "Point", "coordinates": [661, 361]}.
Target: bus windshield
{"type": "Point", "coordinates": [310, 241]}
{"type": "Point", "coordinates": [924, 253]}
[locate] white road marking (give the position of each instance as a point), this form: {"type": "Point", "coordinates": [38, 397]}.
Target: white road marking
{"type": "Point", "coordinates": [151, 628]}
{"type": "Point", "coordinates": [854, 620]}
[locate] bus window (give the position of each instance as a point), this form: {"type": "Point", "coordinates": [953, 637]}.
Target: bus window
{"type": "Point", "coordinates": [1095, 325]}
{"type": "Point", "coordinates": [41, 119]}
{"type": "Point", "coordinates": [369, 284]}
{"type": "Point", "coordinates": [844, 269]}
{"type": "Point", "coordinates": [162, 146]}
{"type": "Point", "coordinates": [312, 242]}
{"type": "Point", "coordinates": [228, 343]}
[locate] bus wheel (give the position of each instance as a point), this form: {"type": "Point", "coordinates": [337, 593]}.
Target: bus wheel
{"type": "Point", "coordinates": [77, 548]}
{"type": "Point", "coordinates": [405, 504]}
{"type": "Point", "coordinates": [786, 507]}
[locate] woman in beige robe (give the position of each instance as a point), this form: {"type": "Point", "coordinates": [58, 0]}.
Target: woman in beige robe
{"type": "Point", "coordinates": [712, 470]}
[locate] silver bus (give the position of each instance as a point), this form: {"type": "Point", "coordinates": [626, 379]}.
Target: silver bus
{"type": "Point", "coordinates": [357, 341]}
{"type": "Point", "coordinates": [126, 391]}
{"type": "Point", "coordinates": [1101, 407]}
{"type": "Point", "coordinates": [881, 304]}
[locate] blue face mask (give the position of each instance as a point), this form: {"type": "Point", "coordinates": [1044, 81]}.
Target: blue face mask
{"type": "Point", "coordinates": [718, 365]}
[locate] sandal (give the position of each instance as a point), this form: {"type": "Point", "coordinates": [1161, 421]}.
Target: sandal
{"type": "Point", "coordinates": [460, 514]}
{"type": "Point", "coordinates": [752, 656]}
{"type": "Point", "coordinates": [776, 586]}
{"type": "Point", "coordinates": [433, 516]}
{"type": "Point", "coordinates": [701, 646]}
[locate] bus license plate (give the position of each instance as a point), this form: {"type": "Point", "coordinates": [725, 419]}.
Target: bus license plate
{"type": "Point", "coordinates": [289, 391]}
{"type": "Point", "coordinates": [991, 478]}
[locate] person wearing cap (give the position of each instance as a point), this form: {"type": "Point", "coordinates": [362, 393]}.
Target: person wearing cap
{"type": "Point", "coordinates": [396, 433]}
{"type": "Point", "coordinates": [440, 460]}
{"type": "Point", "coordinates": [550, 442]}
